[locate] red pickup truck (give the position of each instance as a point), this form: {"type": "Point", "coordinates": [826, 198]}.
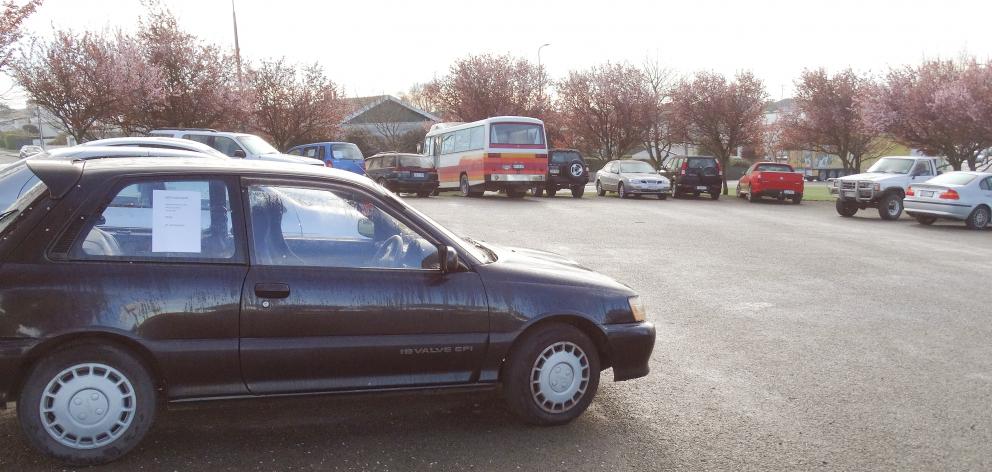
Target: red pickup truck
{"type": "Point", "coordinates": [771, 179]}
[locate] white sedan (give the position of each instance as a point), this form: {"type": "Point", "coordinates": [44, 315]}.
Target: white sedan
{"type": "Point", "coordinates": [962, 196]}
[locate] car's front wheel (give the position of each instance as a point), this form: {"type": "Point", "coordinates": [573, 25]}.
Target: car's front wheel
{"type": "Point", "coordinates": [845, 208]}
{"type": "Point", "coordinates": [87, 404]}
{"type": "Point", "coordinates": [599, 189]}
{"type": "Point", "coordinates": [551, 375]}
{"type": "Point", "coordinates": [890, 207]}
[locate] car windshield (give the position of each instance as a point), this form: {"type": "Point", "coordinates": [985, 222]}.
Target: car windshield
{"type": "Point", "coordinates": [564, 157]}
{"type": "Point", "coordinates": [519, 134]}
{"type": "Point", "coordinates": [889, 165]}
{"type": "Point", "coordinates": [418, 162]}
{"type": "Point", "coordinates": [952, 178]}
{"type": "Point", "coordinates": [477, 249]}
{"type": "Point", "coordinates": [256, 145]}
{"type": "Point", "coordinates": [347, 151]}
{"type": "Point", "coordinates": [774, 168]}
{"type": "Point", "coordinates": [635, 167]}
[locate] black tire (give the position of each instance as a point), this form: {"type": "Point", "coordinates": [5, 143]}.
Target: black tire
{"type": "Point", "coordinates": [550, 191]}
{"type": "Point", "coordinates": [599, 189]}
{"type": "Point", "coordinates": [538, 191]}
{"type": "Point", "coordinates": [424, 194]}
{"type": "Point", "coordinates": [578, 190]}
{"type": "Point", "coordinates": [465, 188]}
{"type": "Point", "coordinates": [520, 366]}
{"type": "Point", "coordinates": [846, 209]}
{"type": "Point", "coordinates": [797, 198]}
{"type": "Point", "coordinates": [890, 206]}
{"type": "Point", "coordinates": [662, 196]}
{"type": "Point", "coordinates": [620, 192]}
{"type": "Point", "coordinates": [435, 192]}
{"type": "Point", "coordinates": [56, 364]}
{"type": "Point", "coordinates": [979, 218]}
{"type": "Point", "coordinates": [925, 220]}
{"type": "Point", "coordinates": [738, 191]}
{"type": "Point", "coordinates": [753, 197]}
{"type": "Point", "coordinates": [714, 195]}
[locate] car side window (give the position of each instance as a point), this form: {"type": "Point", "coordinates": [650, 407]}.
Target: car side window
{"type": "Point", "coordinates": [986, 184]}
{"type": "Point", "coordinates": [339, 228]}
{"type": "Point", "coordinates": [372, 164]}
{"type": "Point", "coordinates": [162, 220]}
{"type": "Point", "coordinates": [295, 152]}
{"type": "Point", "coordinates": [921, 168]}
{"type": "Point", "coordinates": [390, 161]}
{"type": "Point", "coordinates": [310, 151]}
{"type": "Point", "coordinates": [225, 145]}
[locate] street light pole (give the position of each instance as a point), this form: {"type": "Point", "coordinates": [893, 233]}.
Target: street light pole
{"type": "Point", "coordinates": [540, 70]}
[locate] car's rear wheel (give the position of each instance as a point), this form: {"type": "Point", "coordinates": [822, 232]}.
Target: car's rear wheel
{"type": "Point", "coordinates": [578, 190]}
{"type": "Point", "coordinates": [925, 220]}
{"type": "Point", "coordinates": [538, 191]}
{"type": "Point", "coordinates": [87, 404]}
{"type": "Point", "coordinates": [753, 197]}
{"type": "Point", "coordinates": [845, 208]}
{"type": "Point", "coordinates": [715, 195]}
{"type": "Point", "coordinates": [599, 189]}
{"type": "Point", "coordinates": [550, 191]}
{"type": "Point", "coordinates": [979, 218]}
{"type": "Point", "coordinates": [551, 375]}
{"type": "Point", "coordinates": [738, 191]}
{"type": "Point", "coordinates": [424, 194]}
{"type": "Point", "coordinates": [890, 207]}
{"type": "Point", "coordinates": [797, 198]}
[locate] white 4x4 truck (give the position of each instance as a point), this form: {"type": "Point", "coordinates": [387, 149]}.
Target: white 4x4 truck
{"type": "Point", "coordinates": [884, 185]}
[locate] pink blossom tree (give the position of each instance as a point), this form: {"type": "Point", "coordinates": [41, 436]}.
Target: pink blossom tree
{"type": "Point", "coordinates": [942, 107]}
{"type": "Point", "coordinates": [12, 15]}
{"type": "Point", "coordinates": [73, 76]}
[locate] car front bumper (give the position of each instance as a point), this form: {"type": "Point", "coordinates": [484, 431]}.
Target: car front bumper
{"type": "Point", "coordinates": [630, 347]}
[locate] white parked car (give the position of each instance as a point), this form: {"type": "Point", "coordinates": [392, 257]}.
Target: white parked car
{"type": "Point", "coordinates": [159, 143]}
{"type": "Point", "coordinates": [962, 196]}
{"type": "Point", "coordinates": [236, 145]}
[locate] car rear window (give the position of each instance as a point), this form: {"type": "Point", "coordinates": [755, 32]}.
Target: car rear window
{"type": "Point", "coordinates": [952, 178]}
{"type": "Point", "coordinates": [564, 157]}
{"type": "Point", "coordinates": [702, 163]}
{"type": "Point", "coordinates": [774, 168]}
{"type": "Point", "coordinates": [419, 162]}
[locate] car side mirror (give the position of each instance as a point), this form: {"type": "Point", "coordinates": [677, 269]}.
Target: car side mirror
{"type": "Point", "coordinates": [449, 259]}
{"type": "Point", "coordinates": [239, 153]}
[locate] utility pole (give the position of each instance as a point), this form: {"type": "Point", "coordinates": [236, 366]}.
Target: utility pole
{"type": "Point", "coordinates": [540, 78]}
{"type": "Point", "coordinates": [237, 47]}
{"type": "Point", "coordinates": [41, 129]}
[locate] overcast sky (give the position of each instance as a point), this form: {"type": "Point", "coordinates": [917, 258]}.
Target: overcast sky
{"type": "Point", "coordinates": [372, 47]}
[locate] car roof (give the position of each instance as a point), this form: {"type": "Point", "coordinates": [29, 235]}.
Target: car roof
{"type": "Point", "coordinates": [100, 152]}
{"type": "Point", "coordinates": [60, 175]}
{"type": "Point", "coordinates": [141, 141]}
{"type": "Point", "coordinates": [322, 142]}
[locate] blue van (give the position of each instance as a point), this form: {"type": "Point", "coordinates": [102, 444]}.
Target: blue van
{"type": "Point", "coordinates": [344, 156]}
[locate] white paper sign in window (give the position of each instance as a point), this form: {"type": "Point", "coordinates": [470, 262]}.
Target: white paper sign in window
{"type": "Point", "coordinates": [175, 221]}
{"type": "Point", "coordinates": [338, 154]}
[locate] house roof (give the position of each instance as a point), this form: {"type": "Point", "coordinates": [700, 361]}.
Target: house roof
{"type": "Point", "coordinates": [359, 105]}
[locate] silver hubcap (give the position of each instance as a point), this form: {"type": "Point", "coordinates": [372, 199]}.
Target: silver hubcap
{"type": "Point", "coordinates": [87, 406]}
{"type": "Point", "coordinates": [576, 170]}
{"type": "Point", "coordinates": [560, 377]}
{"type": "Point", "coordinates": [620, 190]}
{"type": "Point", "coordinates": [981, 218]}
{"type": "Point", "coordinates": [893, 207]}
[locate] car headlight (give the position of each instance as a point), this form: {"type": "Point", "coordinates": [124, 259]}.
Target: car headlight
{"type": "Point", "coordinates": [878, 187]}
{"type": "Point", "coordinates": [637, 308]}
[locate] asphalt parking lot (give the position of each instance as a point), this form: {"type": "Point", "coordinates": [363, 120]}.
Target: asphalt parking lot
{"type": "Point", "coordinates": [788, 339]}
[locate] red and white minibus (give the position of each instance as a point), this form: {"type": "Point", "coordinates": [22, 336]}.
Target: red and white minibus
{"type": "Point", "coordinates": [508, 153]}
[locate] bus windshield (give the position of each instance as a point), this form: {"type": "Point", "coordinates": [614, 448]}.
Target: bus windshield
{"type": "Point", "coordinates": [517, 134]}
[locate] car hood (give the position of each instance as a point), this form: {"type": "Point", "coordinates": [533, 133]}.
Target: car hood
{"type": "Point", "coordinates": [551, 268]}
{"type": "Point", "coordinates": [872, 176]}
{"type": "Point", "coordinates": [291, 158]}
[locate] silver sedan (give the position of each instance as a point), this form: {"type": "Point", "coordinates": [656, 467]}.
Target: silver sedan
{"type": "Point", "coordinates": [628, 177]}
{"type": "Point", "coordinates": [962, 196]}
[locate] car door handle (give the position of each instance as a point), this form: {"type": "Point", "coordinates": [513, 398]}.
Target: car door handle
{"type": "Point", "coordinates": [272, 290]}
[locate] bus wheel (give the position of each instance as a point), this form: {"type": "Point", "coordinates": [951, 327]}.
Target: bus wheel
{"type": "Point", "coordinates": [465, 188]}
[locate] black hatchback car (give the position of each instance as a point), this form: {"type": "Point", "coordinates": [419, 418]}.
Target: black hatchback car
{"type": "Point", "coordinates": [566, 169]}
{"type": "Point", "coordinates": [128, 282]}
{"type": "Point", "coordinates": [692, 175]}
{"type": "Point", "coordinates": [403, 173]}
